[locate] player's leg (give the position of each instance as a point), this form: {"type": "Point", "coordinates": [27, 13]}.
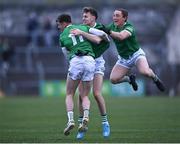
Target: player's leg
{"type": "Point", "coordinates": [74, 74]}
{"type": "Point", "coordinates": [119, 73]}
{"type": "Point", "coordinates": [80, 135]}
{"type": "Point", "coordinates": [143, 68]}
{"type": "Point", "coordinates": [97, 92]}
{"type": "Point", "coordinates": [86, 79]}
{"type": "Point", "coordinates": [71, 86]}
{"type": "Point", "coordinates": [79, 102]}
{"type": "Point", "coordinates": [86, 85]}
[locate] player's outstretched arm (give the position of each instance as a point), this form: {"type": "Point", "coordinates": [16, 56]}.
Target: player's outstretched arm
{"type": "Point", "coordinates": [91, 37]}
{"type": "Point", "coordinates": [120, 35]}
{"type": "Point", "coordinates": [117, 35]}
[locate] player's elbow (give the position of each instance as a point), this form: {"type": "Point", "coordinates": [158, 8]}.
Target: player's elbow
{"type": "Point", "coordinates": [121, 37]}
{"type": "Point", "coordinates": [124, 35]}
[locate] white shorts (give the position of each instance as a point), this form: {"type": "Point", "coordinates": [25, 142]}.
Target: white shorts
{"type": "Point", "coordinates": [100, 68]}
{"type": "Point", "coordinates": [82, 68]}
{"type": "Point", "coordinates": [129, 63]}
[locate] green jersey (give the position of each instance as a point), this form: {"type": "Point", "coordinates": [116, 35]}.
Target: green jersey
{"type": "Point", "coordinates": [75, 43]}
{"type": "Point", "coordinates": [129, 46]}
{"type": "Point", "coordinates": [99, 49]}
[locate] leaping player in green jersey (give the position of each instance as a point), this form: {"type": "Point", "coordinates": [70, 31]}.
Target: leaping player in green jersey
{"type": "Point", "coordinates": [130, 53]}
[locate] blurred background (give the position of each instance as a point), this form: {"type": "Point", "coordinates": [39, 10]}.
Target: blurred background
{"type": "Point", "coordinates": [32, 63]}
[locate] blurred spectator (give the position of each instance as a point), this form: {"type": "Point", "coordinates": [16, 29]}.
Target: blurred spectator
{"type": "Point", "coordinates": [32, 28]}
{"type": "Point", "coordinates": [8, 22]}
{"type": "Point", "coordinates": [48, 33]}
{"type": "Point", "coordinates": [7, 53]}
{"type": "Point", "coordinates": [1, 45]}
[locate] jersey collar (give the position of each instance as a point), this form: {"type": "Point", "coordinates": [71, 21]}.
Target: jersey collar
{"type": "Point", "coordinates": [94, 25]}
{"type": "Point", "coordinates": [69, 25]}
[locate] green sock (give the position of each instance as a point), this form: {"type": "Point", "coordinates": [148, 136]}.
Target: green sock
{"type": "Point", "coordinates": [80, 119]}
{"type": "Point", "coordinates": [104, 118]}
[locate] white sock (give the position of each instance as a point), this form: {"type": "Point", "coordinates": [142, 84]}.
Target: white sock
{"type": "Point", "coordinates": [70, 115]}
{"type": "Point", "coordinates": [86, 113]}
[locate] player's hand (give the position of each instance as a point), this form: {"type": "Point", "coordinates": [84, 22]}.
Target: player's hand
{"type": "Point", "coordinates": [105, 29]}
{"type": "Point", "coordinates": [76, 32]}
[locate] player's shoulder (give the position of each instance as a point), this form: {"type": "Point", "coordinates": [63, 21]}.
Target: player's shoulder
{"type": "Point", "coordinates": [63, 34]}
{"type": "Point", "coordinates": [66, 30]}
{"type": "Point", "coordinates": [84, 26]}
{"type": "Point", "coordinates": [98, 25]}
{"type": "Point", "coordinates": [128, 24]}
{"type": "Point", "coordinates": [111, 25]}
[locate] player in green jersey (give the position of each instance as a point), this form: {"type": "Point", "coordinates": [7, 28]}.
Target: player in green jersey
{"type": "Point", "coordinates": [130, 53]}
{"type": "Point", "coordinates": [81, 65]}
{"type": "Point", "coordinates": [89, 18]}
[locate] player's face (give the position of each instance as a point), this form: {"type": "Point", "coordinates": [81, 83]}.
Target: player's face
{"type": "Point", "coordinates": [60, 26]}
{"type": "Point", "coordinates": [118, 18]}
{"type": "Point", "coordinates": [88, 19]}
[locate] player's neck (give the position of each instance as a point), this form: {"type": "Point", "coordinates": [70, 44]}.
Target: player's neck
{"type": "Point", "coordinates": [121, 25]}
{"type": "Point", "coordinates": [93, 24]}
{"type": "Point", "coordinates": [69, 24]}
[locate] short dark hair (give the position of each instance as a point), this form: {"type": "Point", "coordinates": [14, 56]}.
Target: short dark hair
{"type": "Point", "coordinates": [91, 10]}
{"type": "Point", "coordinates": [124, 12]}
{"type": "Point", "coordinates": [64, 18]}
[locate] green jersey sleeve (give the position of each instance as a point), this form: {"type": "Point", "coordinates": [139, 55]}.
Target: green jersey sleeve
{"type": "Point", "coordinates": [129, 28]}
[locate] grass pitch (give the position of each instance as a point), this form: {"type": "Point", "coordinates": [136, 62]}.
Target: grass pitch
{"type": "Point", "coordinates": [132, 120]}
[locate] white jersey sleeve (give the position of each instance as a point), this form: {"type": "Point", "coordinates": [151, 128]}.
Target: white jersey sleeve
{"type": "Point", "coordinates": [65, 52]}
{"type": "Point", "coordinates": [100, 33]}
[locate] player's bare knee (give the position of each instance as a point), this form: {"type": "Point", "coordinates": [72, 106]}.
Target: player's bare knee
{"type": "Point", "coordinates": [114, 80]}
{"type": "Point", "coordinates": [96, 94]}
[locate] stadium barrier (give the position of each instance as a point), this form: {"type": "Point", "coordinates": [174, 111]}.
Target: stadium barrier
{"type": "Point", "coordinates": [58, 88]}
